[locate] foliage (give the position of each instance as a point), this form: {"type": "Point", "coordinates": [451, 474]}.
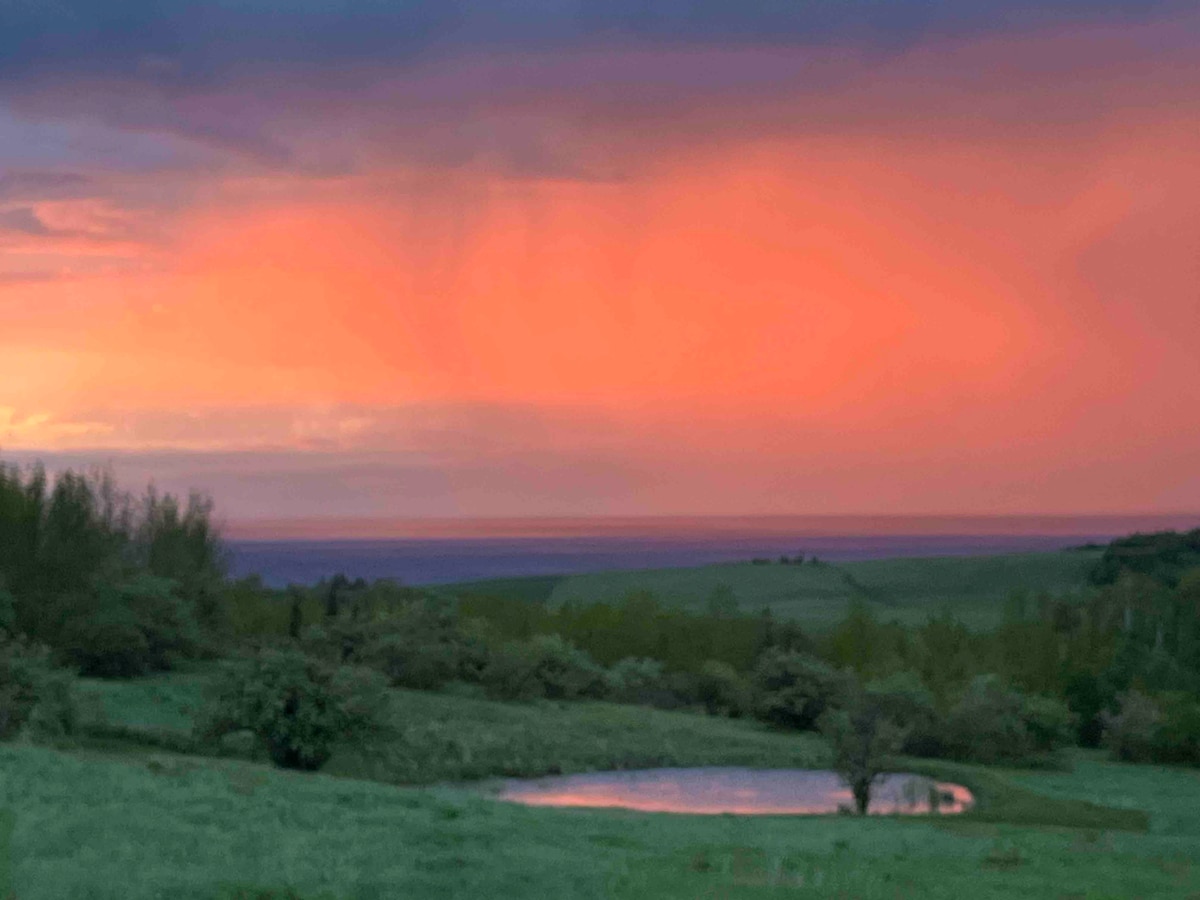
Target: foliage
{"type": "Point", "coordinates": [84, 564]}
{"type": "Point", "coordinates": [34, 694]}
{"type": "Point", "coordinates": [904, 700]}
{"type": "Point", "coordinates": [179, 542]}
{"type": "Point", "coordinates": [862, 739]}
{"type": "Point", "coordinates": [298, 707]}
{"type": "Point", "coordinates": [993, 723]}
{"type": "Point", "coordinates": [1163, 556]}
{"type": "Point", "coordinates": [120, 630]}
{"type": "Point", "coordinates": [722, 690]}
{"type": "Point", "coordinates": [426, 646]}
{"type": "Point", "coordinates": [544, 666]}
{"type": "Point", "coordinates": [795, 689]}
{"type": "Point", "coordinates": [636, 680]}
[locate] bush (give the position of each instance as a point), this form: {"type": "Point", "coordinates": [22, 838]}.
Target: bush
{"type": "Point", "coordinates": [1049, 723]}
{"type": "Point", "coordinates": [904, 700]}
{"type": "Point", "coordinates": [636, 680]}
{"type": "Point", "coordinates": [1131, 733]}
{"type": "Point", "coordinates": [795, 689]}
{"type": "Point", "coordinates": [544, 666]}
{"type": "Point", "coordinates": [129, 629]}
{"type": "Point", "coordinates": [993, 723]}
{"type": "Point", "coordinates": [33, 694]}
{"type": "Point", "coordinates": [986, 724]}
{"type": "Point", "coordinates": [425, 647]}
{"type": "Point", "coordinates": [1179, 735]}
{"type": "Point", "coordinates": [722, 690]}
{"type": "Point", "coordinates": [299, 708]}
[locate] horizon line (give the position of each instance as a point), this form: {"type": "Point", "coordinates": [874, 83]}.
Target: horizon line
{"type": "Point", "coordinates": [395, 527]}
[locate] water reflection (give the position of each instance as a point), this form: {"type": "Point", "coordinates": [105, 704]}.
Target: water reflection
{"type": "Point", "coordinates": [739, 791]}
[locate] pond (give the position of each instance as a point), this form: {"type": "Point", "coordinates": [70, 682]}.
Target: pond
{"type": "Point", "coordinates": [713, 791]}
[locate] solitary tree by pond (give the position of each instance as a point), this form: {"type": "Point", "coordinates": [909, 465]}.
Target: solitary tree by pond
{"type": "Point", "coordinates": [862, 739]}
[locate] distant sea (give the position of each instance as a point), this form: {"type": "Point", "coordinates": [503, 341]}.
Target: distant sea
{"type": "Point", "coordinates": [444, 551]}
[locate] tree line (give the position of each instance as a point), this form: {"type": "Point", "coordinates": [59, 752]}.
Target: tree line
{"type": "Point", "coordinates": [103, 583]}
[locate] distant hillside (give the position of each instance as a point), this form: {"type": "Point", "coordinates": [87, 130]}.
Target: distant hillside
{"type": "Point", "coordinates": [972, 587]}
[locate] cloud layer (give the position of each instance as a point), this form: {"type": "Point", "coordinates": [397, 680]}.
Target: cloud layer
{"type": "Point", "coordinates": [521, 258]}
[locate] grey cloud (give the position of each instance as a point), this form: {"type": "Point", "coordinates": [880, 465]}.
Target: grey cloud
{"type": "Point", "coordinates": [24, 221]}
{"type": "Point", "coordinates": [175, 42]}
{"type": "Point", "coordinates": [43, 185]}
{"type": "Point", "coordinates": [520, 86]}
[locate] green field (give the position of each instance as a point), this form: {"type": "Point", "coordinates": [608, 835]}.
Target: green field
{"type": "Point", "coordinates": [118, 820]}
{"type": "Point", "coordinates": [972, 588]}
{"type": "Point", "coordinates": [444, 736]}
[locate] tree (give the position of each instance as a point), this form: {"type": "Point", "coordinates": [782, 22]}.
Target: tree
{"type": "Point", "coordinates": [544, 666]}
{"type": "Point", "coordinates": [795, 689]}
{"type": "Point", "coordinates": [126, 629]}
{"type": "Point", "coordinates": [862, 739]}
{"type": "Point", "coordinates": [298, 707]}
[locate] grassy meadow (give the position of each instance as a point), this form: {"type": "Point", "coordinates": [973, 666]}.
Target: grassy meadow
{"type": "Point", "coordinates": [445, 736]}
{"type": "Point", "coordinates": [972, 588]}
{"type": "Point", "coordinates": [132, 822]}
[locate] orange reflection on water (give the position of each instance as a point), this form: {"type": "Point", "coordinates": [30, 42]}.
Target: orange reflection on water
{"type": "Point", "coordinates": [715, 791]}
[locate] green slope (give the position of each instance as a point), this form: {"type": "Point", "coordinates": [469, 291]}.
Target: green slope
{"type": "Point", "coordinates": [973, 588]}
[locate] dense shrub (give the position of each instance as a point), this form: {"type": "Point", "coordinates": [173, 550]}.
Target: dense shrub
{"type": "Point", "coordinates": [425, 646]}
{"type": "Point", "coordinates": [636, 680]}
{"type": "Point", "coordinates": [1049, 723]}
{"type": "Point", "coordinates": [795, 689]}
{"type": "Point", "coordinates": [993, 723]}
{"type": "Point", "coordinates": [722, 690]}
{"type": "Point", "coordinates": [128, 629]}
{"type": "Point", "coordinates": [904, 700]}
{"type": "Point", "coordinates": [1163, 728]}
{"type": "Point", "coordinates": [544, 666]}
{"type": "Point", "coordinates": [299, 708]}
{"type": "Point", "coordinates": [1179, 735]}
{"type": "Point", "coordinates": [34, 694]}
{"type": "Point", "coordinates": [1131, 733]}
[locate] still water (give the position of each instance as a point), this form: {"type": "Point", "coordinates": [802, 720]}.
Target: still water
{"type": "Point", "coordinates": [739, 791]}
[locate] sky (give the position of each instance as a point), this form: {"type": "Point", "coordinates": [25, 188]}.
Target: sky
{"type": "Point", "coordinates": [456, 258]}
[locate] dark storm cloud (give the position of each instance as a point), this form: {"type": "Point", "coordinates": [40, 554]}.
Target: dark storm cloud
{"type": "Point", "coordinates": [182, 42]}
{"type": "Point", "coordinates": [526, 87]}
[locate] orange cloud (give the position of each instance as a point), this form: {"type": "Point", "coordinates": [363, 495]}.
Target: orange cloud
{"type": "Point", "coordinates": [916, 313]}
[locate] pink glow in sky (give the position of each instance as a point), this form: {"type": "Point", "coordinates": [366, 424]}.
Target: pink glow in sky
{"type": "Point", "coordinates": [621, 278]}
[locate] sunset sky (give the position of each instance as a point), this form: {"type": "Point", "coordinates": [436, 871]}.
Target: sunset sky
{"type": "Point", "coordinates": [606, 257]}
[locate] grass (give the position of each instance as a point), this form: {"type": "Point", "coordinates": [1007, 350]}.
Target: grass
{"type": "Point", "coordinates": [103, 822]}
{"type": "Point", "coordinates": [973, 588]}
{"type": "Point", "coordinates": [189, 828]}
{"type": "Point", "coordinates": [1170, 795]}
{"type": "Point", "coordinates": [448, 737]}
